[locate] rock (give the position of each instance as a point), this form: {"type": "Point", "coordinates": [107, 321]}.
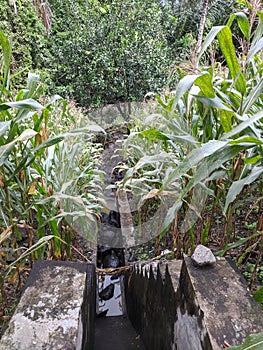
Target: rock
{"type": "Point", "coordinates": [107, 293]}
{"type": "Point", "coordinates": [203, 256]}
{"type": "Point", "coordinates": [111, 260]}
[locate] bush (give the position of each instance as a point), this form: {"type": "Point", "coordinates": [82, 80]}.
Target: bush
{"type": "Point", "coordinates": [110, 51]}
{"type": "Point", "coordinates": [23, 25]}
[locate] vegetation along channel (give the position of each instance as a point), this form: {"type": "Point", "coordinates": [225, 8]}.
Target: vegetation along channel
{"type": "Point", "coordinates": [131, 174]}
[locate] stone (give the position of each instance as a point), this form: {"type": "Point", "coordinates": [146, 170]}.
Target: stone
{"type": "Point", "coordinates": [108, 292]}
{"type": "Point", "coordinates": [56, 310]}
{"type": "Point", "coordinates": [111, 260]}
{"type": "Point", "coordinates": [203, 256]}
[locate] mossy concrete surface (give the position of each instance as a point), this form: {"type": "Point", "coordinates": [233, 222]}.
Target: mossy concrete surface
{"type": "Point", "coordinates": [177, 305]}
{"type": "Point", "coordinates": [56, 310]}
{"type": "Point", "coordinates": [222, 296]}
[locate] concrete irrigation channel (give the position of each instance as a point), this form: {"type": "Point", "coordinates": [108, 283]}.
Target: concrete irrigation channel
{"type": "Point", "coordinates": [151, 305]}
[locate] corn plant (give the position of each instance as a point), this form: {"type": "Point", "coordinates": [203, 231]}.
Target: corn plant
{"type": "Point", "coordinates": [48, 180]}
{"type": "Point", "coordinates": [207, 134]}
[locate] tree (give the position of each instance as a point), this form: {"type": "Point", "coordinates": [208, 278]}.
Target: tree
{"type": "Point", "coordinates": [201, 26]}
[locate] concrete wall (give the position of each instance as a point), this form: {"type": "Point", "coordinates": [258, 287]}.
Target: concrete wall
{"type": "Point", "coordinates": [56, 310]}
{"type": "Point", "coordinates": [176, 305]}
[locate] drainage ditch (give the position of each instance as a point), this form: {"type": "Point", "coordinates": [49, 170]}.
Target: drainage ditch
{"type": "Point", "coordinates": [113, 329]}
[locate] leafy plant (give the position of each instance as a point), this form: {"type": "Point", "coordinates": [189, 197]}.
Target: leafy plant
{"type": "Point", "coordinates": [252, 342]}
{"type": "Point", "coordinates": [111, 51]}
{"type": "Point", "coordinates": [205, 137]}
{"type": "Point", "coordinates": [47, 174]}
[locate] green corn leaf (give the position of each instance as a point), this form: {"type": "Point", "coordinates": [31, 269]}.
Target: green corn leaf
{"type": "Point", "coordinates": [33, 81]}
{"type": "Point", "coordinates": [242, 126]}
{"type": "Point", "coordinates": [252, 160]}
{"type": "Point", "coordinates": [225, 119]}
{"type": "Point", "coordinates": [209, 39]}
{"type": "Point", "coordinates": [243, 23]}
{"type": "Point", "coordinates": [252, 97]}
{"type": "Point", "coordinates": [25, 135]}
{"type": "Point", "coordinates": [212, 102]}
{"type": "Point", "coordinates": [227, 47]}
{"type": "Point", "coordinates": [247, 139]}
{"type": "Point", "coordinates": [154, 134]}
{"type": "Point", "coordinates": [170, 216]}
{"type": "Point", "coordinates": [204, 82]}
{"type": "Point", "coordinates": [258, 46]}
{"type": "Point", "coordinates": [50, 142]}
{"type": "Point", "coordinates": [184, 85]}
{"type": "Point", "coordinates": [252, 342]}
{"type": "Point", "coordinates": [4, 126]}
{"type": "Point", "coordinates": [23, 104]}
{"type": "Point", "coordinates": [237, 244]}
{"type": "Point", "coordinates": [237, 186]}
{"type": "Point", "coordinates": [259, 31]}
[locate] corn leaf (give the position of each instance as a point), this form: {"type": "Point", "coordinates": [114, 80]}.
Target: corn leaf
{"type": "Point", "coordinates": [204, 82]}
{"type": "Point", "coordinates": [252, 342]}
{"type": "Point", "coordinates": [4, 126]}
{"type": "Point", "coordinates": [237, 186]}
{"type": "Point", "coordinates": [27, 103]}
{"type": "Point", "coordinates": [227, 47]}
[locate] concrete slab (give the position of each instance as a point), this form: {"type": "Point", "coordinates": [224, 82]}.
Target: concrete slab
{"type": "Point", "coordinates": [218, 299]}
{"type": "Point", "coordinates": [56, 310]}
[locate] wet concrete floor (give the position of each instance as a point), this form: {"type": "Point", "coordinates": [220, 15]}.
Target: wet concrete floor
{"type": "Point", "coordinates": [116, 333]}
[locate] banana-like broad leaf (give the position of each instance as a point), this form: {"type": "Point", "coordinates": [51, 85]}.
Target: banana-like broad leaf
{"type": "Point", "coordinates": [252, 342]}
{"type": "Point", "coordinates": [27, 103]}
{"type": "Point", "coordinates": [237, 186]}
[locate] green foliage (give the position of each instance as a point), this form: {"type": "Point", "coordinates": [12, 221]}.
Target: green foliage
{"type": "Point", "coordinates": [258, 295]}
{"type": "Point", "coordinates": [45, 171]}
{"type": "Point", "coordinates": [205, 134]}
{"type": "Point", "coordinates": [21, 22]}
{"type": "Point", "coordinates": [252, 342]}
{"type": "Point", "coordinates": [188, 14]}
{"type": "Point", "coordinates": [110, 51]}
